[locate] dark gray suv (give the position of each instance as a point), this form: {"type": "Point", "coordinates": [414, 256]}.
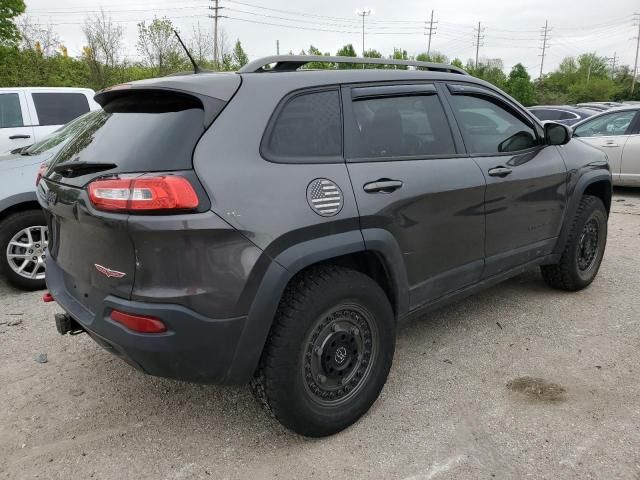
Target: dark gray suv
{"type": "Point", "coordinates": [271, 226]}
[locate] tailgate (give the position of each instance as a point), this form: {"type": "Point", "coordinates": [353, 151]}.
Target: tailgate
{"type": "Point", "coordinates": [139, 133]}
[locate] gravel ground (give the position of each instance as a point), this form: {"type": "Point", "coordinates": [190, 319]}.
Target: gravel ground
{"type": "Point", "coordinates": [517, 382]}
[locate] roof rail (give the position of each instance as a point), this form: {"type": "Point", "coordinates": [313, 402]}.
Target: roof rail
{"type": "Point", "coordinates": [291, 63]}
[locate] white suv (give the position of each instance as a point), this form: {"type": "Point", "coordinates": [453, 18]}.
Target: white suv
{"type": "Point", "coordinates": [29, 114]}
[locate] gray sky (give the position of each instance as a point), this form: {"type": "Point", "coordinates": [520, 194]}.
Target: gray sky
{"type": "Point", "coordinates": [512, 29]}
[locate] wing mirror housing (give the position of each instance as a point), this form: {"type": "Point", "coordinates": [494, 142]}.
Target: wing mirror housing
{"type": "Point", "coordinates": [557, 134]}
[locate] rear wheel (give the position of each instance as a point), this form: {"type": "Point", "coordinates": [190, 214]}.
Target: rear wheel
{"type": "Point", "coordinates": [584, 250]}
{"type": "Point", "coordinates": [329, 352]}
{"type": "Point", "coordinates": [23, 243]}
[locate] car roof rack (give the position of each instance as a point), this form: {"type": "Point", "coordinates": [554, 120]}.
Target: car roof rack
{"type": "Point", "coordinates": [291, 63]}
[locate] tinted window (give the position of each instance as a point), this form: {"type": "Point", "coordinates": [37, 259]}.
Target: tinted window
{"type": "Point", "coordinates": [543, 114]}
{"type": "Point", "coordinates": [61, 135]}
{"type": "Point", "coordinates": [400, 127]}
{"type": "Point", "coordinates": [141, 132]}
{"type": "Point", "coordinates": [307, 129]}
{"type": "Point", "coordinates": [489, 128]}
{"type": "Point", "coordinates": [606, 125]}
{"type": "Point", "coordinates": [564, 115]}
{"type": "Point", "coordinates": [59, 108]}
{"type": "Point", "coordinates": [10, 112]}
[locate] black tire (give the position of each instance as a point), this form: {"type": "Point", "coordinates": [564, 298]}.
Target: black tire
{"type": "Point", "coordinates": [9, 227]}
{"type": "Point", "coordinates": [576, 270]}
{"type": "Point", "coordinates": [347, 307]}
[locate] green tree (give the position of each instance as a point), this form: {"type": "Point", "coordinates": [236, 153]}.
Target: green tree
{"type": "Point", "coordinates": [159, 47]}
{"type": "Point", "coordinates": [347, 51]}
{"type": "Point", "coordinates": [435, 57]}
{"type": "Point", "coordinates": [519, 85]}
{"type": "Point", "coordinates": [240, 58]}
{"type": "Point", "coordinates": [318, 65]}
{"type": "Point", "coordinates": [10, 9]}
{"type": "Point", "coordinates": [372, 53]}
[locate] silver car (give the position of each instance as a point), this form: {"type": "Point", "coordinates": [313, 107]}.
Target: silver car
{"type": "Point", "coordinates": [23, 231]}
{"type": "Point", "coordinates": [617, 133]}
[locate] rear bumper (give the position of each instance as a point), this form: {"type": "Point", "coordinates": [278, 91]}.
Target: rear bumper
{"type": "Point", "coordinates": [195, 348]}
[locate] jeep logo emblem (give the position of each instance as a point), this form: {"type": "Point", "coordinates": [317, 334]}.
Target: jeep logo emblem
{"type": "Point", "coordinates": [341, 355]}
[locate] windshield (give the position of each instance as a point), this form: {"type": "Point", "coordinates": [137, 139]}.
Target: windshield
{"type": "Point", "coordinates": [60, 135]}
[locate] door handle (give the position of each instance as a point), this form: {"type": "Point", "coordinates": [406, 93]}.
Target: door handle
{"type": "Point", "coordinates": [499, 172]}
{"type": "Point", "coordinates": [610, 144]}
{"type": "Point", "coordinates": [384, 185]}
{"type": "Point", "coordinates": [16, 137]}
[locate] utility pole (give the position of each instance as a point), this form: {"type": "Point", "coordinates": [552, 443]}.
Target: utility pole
{"type": "Point", "coordinates": [216, 16]}
{"type": "Point", "coordinates": [545, 38]}
{"type": "Point", "coordinates": [431, 29]}
{"type": "Point", "coordinates": [278, 47]}
{"type": "Point", "coordinates": [478, 39]}
{"type": "Point", "coordinates": [636, 18]}
{"type": "Point", "coordinates": [613, 65]}
{"type": "Point", "coordinates": [363, 13]}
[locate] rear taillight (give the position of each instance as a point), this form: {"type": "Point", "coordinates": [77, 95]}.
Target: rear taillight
{"type": "Point", "coordinates": [41, 171]}
{"type": "Point", "coordinates": [143, 194]}
{"type": "Point", "coordinates": [139, 323]}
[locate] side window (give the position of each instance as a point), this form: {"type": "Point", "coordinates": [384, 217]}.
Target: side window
{"type": "Point", "coordinates": [487, 127]}
{"type": "Point", "coordinates": [400, 126]}
{"type": "Point", "coordinates": [10, 111]}
{"type": "Point", "coordinates": [544, 114]}
{"type": "Point", "coordinates": [606, 125]}
{"type": "Point", "coordinates": [564, 115]}
{"type": "Point", "coordinates": [59, 108]}
{"type": "Point", "coordinates": [308, 129]}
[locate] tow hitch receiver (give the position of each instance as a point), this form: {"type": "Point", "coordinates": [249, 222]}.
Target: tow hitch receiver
{"type": "Point", "coordinates": [65, 324]}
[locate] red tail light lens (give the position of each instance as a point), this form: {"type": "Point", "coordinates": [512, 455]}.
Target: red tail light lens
{"type": "Point", "coordinates": [41, 171]}
{"type": "Point", "coordinates": [139, 323]}
{"type": "Point", "coordinates": [143, 194]}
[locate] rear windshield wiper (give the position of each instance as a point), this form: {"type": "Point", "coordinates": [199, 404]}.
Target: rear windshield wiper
{"type": "Point", "coordinates": [76, 169]}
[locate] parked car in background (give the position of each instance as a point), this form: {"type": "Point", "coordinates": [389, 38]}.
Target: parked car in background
{"type": "Point", "coordinates": [272, 228]}
{"type": "Point", "coordinates": [565, 114]}
{"type": "Point", "coordinates": [617, 133]}
{"type": "Point", "coordinates": [599, 106]}
{"type": "Point", "coordinates": [23, 233]}
{"type": "Point", "coordinates": [28, 115]}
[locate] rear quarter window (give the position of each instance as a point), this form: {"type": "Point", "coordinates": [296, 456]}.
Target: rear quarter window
{"type": "Point", "coordinates": [59, 108]}
{"type": "Point", "coordinates": [306, 128]}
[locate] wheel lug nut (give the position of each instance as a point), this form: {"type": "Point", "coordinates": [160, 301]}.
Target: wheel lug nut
{"type": "Point", "coordinates": [34, 258]}
{"type": "Point", "coordinates": [322, 379]}
{"type": "Point", "coordinates": [37, 245]}
{"type": "Point", "coordinates": [355, 331]}
{"type": "Point", "coordinates": [334, 327]}
{"type": "Point", "coordinates": [30, 251]}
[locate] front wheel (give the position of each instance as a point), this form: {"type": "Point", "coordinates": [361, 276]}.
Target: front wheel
{"type": "Point", "coordinates": [23, 243]}
{"type": "Point", "coordinates": [329, 352]}
{"type": "Point", "coordinates": [582, 256]}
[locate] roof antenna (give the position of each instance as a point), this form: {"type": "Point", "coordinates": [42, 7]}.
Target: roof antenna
{"type": "Point", "coordinates": [196, 68]}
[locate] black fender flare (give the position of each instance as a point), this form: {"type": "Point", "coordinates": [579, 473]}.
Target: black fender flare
{"type": "Point", "coordinates": [291, 261]}
{"type": "Point", "coordinates": [575, 195]}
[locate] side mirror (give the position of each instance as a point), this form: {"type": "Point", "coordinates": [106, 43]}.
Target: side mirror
{"type": "Point", "coordinates": [557, 134]}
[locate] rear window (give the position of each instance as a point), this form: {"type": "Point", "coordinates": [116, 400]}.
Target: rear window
{"type": "Point", "coordinates": [308, 129]}
{"type": "Point", "coordinates": [140, 132]}
{"type": "Point", "coordinates": [59, 108]}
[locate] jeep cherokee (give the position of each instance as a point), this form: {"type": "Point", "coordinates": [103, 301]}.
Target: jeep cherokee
{"type": "Point", "coordinates": [271, 226]}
